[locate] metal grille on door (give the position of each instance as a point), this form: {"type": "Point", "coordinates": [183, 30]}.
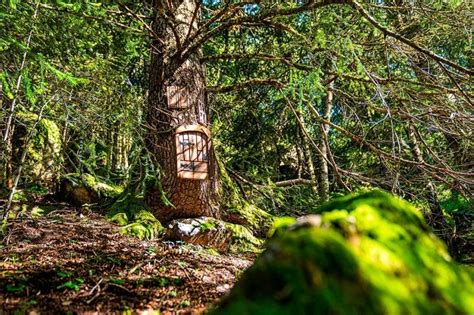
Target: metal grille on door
{"type": "Point", "coordinates": [192, 148]}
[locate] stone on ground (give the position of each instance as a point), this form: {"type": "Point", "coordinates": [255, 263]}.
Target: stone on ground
{"type": "Point", "coordinates": [211, 232]}
{"type": "Point", "coordinates": [81, 189]}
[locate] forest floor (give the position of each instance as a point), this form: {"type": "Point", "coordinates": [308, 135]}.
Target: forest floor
{"type": "Point", "coordinates": [75, 261]}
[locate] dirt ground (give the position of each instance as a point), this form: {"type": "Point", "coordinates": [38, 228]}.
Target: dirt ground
{"type": "Point", "coordinates": [73, 262]}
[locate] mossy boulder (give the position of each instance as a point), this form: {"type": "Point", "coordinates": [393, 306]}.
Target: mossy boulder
{"type": "Point", "coordinates": [204, 231]}
{"type": "Point", "coordinates": [243, 240]}
{"type": "Point", "coordinates": [369, 253]}
{"type": "Point", "coordinates": [81, 189]}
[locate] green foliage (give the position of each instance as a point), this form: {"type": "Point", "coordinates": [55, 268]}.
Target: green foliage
{"type": "Point", "coordinates": [117, 281]}
{"type": "Point", "coordinates": [280, 224]}
{"type": "Point", "coordinates": [232, 203]}
{"type": "Point", "coordinates": [14, 288]}
{"type": "Point", "coordinates": [37, 212]}
{"type": "Point", "coordinates": [371, 253]}
{"type": "Point", "coordinates": [454, 202]}
{"type": "Point", "coordinates": [37, 189]}
{"type": "Point", "coordinates": [243, 240]}
{"type": "Point", "coordinates": [74, 284]}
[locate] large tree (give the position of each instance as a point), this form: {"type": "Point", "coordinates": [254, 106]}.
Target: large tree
{"type": "Point", "coordinates": [319, 49]}
{"type": "Point", "coordinates": [178, 76]}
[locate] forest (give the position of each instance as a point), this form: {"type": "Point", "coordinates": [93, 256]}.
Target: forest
{"type": "Point", "coordinates": [236, 157]}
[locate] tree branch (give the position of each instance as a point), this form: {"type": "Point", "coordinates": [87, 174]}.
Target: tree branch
{"type": "Point", "coordinates": [242, 85]}
{"type": "Point", "coordinates": [408, 42]}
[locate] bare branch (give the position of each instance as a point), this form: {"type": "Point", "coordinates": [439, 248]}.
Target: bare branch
{"type": "Point", "coordinates": [408, 42]}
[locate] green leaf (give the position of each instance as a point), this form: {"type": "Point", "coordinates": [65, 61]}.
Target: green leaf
{"type": "Point", "coordinates": [12, 4]}
{"type": "Point", "coordinates": [5, 85]}
{"type": "Point", "coordinates": [14, 288]}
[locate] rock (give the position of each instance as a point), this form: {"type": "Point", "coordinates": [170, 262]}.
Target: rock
{"type": "Point", "coordinates": [211, 232]}
{"type": "Point", "coordinates": [200, 231]}
{"type": "Point", "coordinates": [368, 253]}
{"type": "Point", "coordinates": [81, 189]}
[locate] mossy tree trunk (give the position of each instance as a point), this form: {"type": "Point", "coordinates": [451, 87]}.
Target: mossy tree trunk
{"type": "Point", "coordinates": [6, 148]}
{"type": "Point", "coordinates": [175, 21]}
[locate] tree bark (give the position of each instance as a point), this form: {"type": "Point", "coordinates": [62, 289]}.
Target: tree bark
{"type": "Point", "coordinates": [307, 152]}
{"type": "Point", "coordinates": [174, 21]}
{"type": "Point", "coordinates": [323, 164]}
{"type": "Point", "coordinates": [437, 219]}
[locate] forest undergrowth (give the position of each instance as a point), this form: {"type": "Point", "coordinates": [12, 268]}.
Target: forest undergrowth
{"type": "Point", "coordinates": [74, 260]}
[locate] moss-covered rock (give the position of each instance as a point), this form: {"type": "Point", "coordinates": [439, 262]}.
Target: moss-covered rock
{"type": "Point", "coordinates": [243, 240]}
{"type": "Point", "coordinates": [80, 189]}
{"type": "Point", "coordinates": [369, 253]}
{"type": "Point", "coordinates": [204, 231]}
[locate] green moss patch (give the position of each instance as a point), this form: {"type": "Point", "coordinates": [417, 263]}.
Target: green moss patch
{"type": "Point", "coordinates": [44, 148]}
{"type": "Point", "coordinates": [243, 240]}
{"type": "Point", "coordinates": [369, 253]}
{"type": "Point", "coordinates": [135, 218]}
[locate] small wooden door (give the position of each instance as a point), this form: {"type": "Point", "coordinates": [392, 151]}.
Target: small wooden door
{"type": "Point", "coordinates": [192, 147]}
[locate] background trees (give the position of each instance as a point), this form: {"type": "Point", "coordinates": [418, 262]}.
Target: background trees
{"type": "Point", "coordinates": [377, 94]}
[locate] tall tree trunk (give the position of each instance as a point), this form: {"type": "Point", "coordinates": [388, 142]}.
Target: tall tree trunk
{"type": "Point", "coordinates": [437, 219]}
{"type": "Point", "coordinates": [307, 152]}
{"type": "Point", "coordinates": [6, 151]}
{"type": "Point", "coordinates": [323, 184]}
{"type": "Point", "coordinates": [174, 21]}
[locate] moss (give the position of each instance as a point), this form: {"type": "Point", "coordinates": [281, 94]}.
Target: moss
{"type": "Point", "coordinates": [44, 148]}
{"type": "Point", "coordinates": [135, 218]}
{"type": "Point", "coordinates": [371, 254]}
{"type": "Point", "coordinates": [243, 240]}
{"type": "Point", "coordinates": [85, 189]}
{"type": "Point", "coordinates": [143, 225]}
{"type": "Point", "coordinates": [280, 224]}
{"type": "Point", "coordinates": [207, 225]}
{"type": "Point", "coordinates": [237, 238]}
{"type": "Point", "coordinates": [102, 189]}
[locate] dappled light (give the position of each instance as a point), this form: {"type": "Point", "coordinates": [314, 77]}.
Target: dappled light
{"type": "Point", "coordinates": [236, 157]}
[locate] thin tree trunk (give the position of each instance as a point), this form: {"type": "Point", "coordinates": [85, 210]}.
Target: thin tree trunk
{"type": "Point", "coordinates": [9, 125]}
{"type": "Point", "coordinates": [189, 197]}
{"type": "Point", "coordinates": [438, 222]}
{"type": "Point", "coordinates": [323, 158]}
{"type": "Point", "coordinates": [300, 156]}
{"type": "Point", "coordinates": [22, 161]}
{"type": "Point", "coordinates": [307, 152]}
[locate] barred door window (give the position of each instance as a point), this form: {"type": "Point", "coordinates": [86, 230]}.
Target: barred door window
{"type": "Point", "coordinates": [192, 148]}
